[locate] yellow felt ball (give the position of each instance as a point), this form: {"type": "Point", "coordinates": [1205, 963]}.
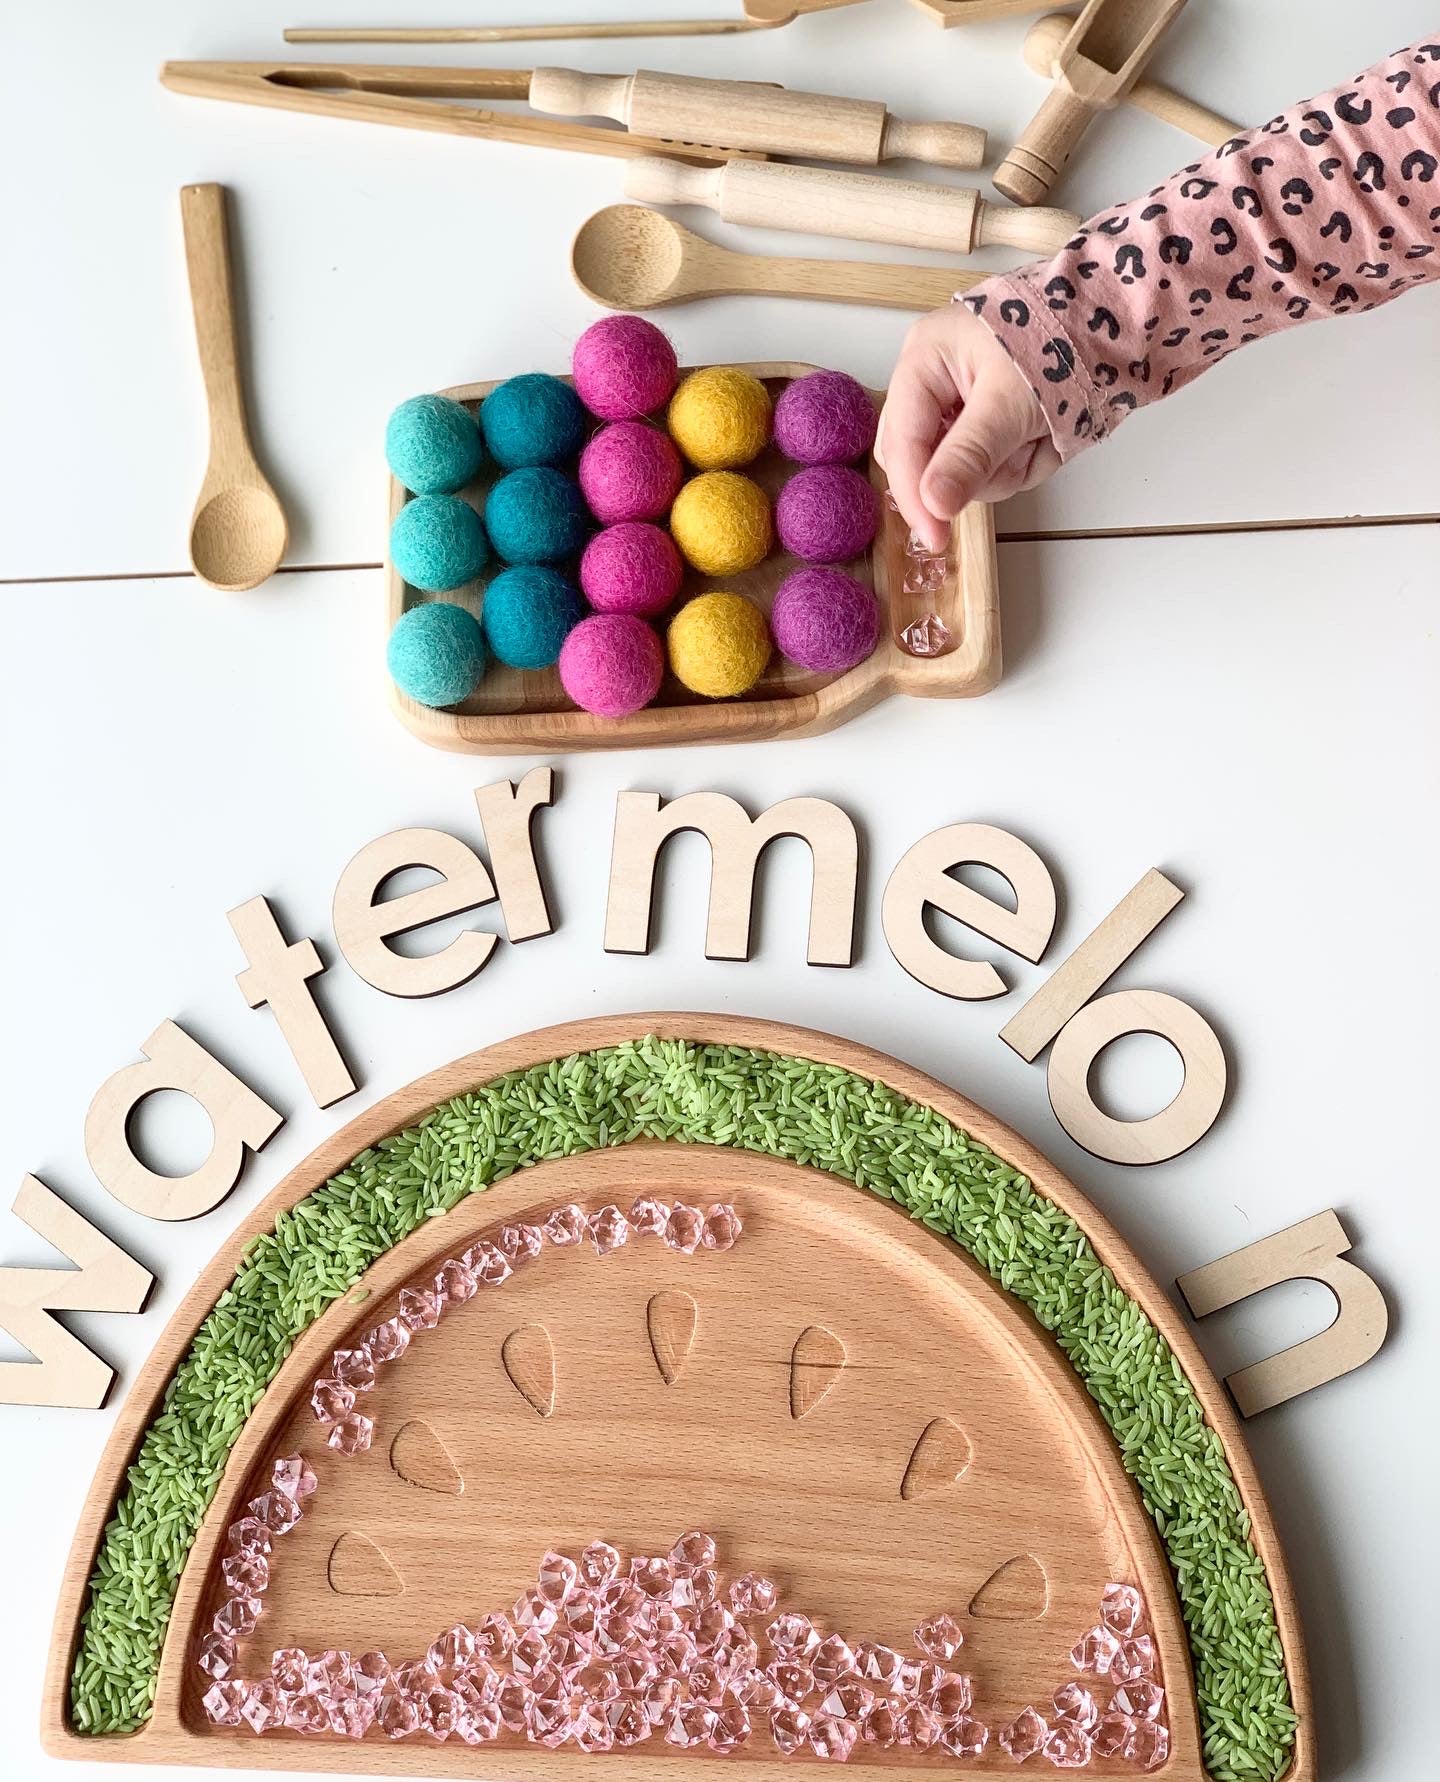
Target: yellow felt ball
{"type": "Point", "coordinates": [720, 417]}
{"type": "Point", "coordinates": [719, 645]}
{"type": "Point", "coordinates": [721, 521]}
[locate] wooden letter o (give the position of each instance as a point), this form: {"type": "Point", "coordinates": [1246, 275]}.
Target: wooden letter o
{"type": "Point", "coordinates": [1175, 1128]}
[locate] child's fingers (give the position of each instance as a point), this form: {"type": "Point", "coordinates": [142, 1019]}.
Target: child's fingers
{"type": "Point", "coordinates": [913, 415]}
{"type": "Point", "coordinates": [991, 428]}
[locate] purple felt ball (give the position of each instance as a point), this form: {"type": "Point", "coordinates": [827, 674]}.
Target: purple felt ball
{"type": "Point", "coordinates": [824, 418]}
{"type": "Point", "coordinates": [623, 368]}
{"type": "Point", "coordinates": [612, 664]}
{"type": "Point", "coordinates": [827, 514]}
{"type": "Point", "coordinates": [631, 568]}
{"type": "Point", "coordinates": [824, 619]}
{"type": "Point", "coordinates": [630, 471]}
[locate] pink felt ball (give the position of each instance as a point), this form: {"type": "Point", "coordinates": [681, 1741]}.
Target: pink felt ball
{"type": "Point", "coordinates": [631, 568]}
{"type": "Point", "coordinates": [612, 664]}
{"type": "Point", "coordinates": [630, 471]}
{"type": "Point", "coordinates": [824, 418]}
{"type": "Point", "coordinates": [824, 619]}
{"type": "Point", "coordinates": [827, 514]}
{"type": "Point", "coordinates": [624, 368]}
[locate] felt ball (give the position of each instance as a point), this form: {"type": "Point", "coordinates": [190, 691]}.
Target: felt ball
{"type": "Point", "coordinates": [433, 445]}
{"type": "Point", "coordinates": [824, 619]}
{"type": "Point", "coordinates": [720, 417]}
{"type": "Point", "coordinates": [536, 515]}
{"type": "Point", "coordinates": [612, 664]}
{"type": "Point", "coordinates": [630, 471]}
{"type": "Point", "coordinates": [827, 514]}
{"type": "Point", "coordinates": [437, 543]}
{"type": "Point", "coordinates": [623, 367]}
{"type": "Point", "coordinates": [527, 614]}
{"type": "Point", "coordinates": [532, 419]}
{"type": "Point", "coordinates": [721, 521]}
{"type": "Point", "coordinates": [824, 418]}
{"type": "Point", "coordinates": [631, 568]}
{"type": "Point", "coordinates": [436, 653]}
{"type": "Point", "coordinates": [718, 645]}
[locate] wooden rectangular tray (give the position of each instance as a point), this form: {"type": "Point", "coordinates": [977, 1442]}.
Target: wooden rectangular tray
{"type": "Point", "coordinates": [524, 712]}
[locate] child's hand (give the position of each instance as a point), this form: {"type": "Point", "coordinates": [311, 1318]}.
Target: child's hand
{"type": "Point", "coordinates": [960, 424]}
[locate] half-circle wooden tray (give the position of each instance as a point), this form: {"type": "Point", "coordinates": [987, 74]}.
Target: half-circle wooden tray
{"type": "Point", "coordinates": [520, 712]}
{"type": "Point", "coordinates": [845, 1399]}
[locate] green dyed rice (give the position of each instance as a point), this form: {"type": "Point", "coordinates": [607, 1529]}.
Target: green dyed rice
{"type": "Point", "coordinates": [811, 1114]}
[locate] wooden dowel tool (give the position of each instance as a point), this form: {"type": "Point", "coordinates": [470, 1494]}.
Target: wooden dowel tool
{"type": "Point", "coordinates": [760, 15]}
{"type": "Point", "coordinates": [973, 12]}
{"type": "Point", "coordinates": [1095, 66]}
{"type": "Point", "coordinates": [748, 115]}
{"type": "Point", "coordinates": [1042, 44]}
{"type": "Point", "coordinates": [859, 206]}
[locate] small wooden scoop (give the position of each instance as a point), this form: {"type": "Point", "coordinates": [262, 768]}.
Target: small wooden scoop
{"type": "Point", "coordinates": [238, 530]}
{"type": "Point", "coordinates": [627, 257]}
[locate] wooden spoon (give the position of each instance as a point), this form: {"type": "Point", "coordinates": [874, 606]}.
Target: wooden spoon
{"type": "Point", "coordinates": [238, 530]}
{"type": "Point", "coordinates": [628, 257]}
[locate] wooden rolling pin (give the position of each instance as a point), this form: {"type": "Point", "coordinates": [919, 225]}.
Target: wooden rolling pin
{"type": "Point", "coordinates": [748, 115]}
{"type": "Point", "coordinates": [859, 206]}
{"type": "Point", "coordinates": [1042, 45]}
{"type": "Point", "coordinates": [1095, 66]}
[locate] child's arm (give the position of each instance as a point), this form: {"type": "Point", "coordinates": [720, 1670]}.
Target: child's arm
{"type": "Point", "coordinates": [1331, 208]}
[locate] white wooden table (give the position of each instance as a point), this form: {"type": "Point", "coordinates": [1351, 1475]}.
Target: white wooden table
{"type": "Point", "coordinates": [1254, 712]}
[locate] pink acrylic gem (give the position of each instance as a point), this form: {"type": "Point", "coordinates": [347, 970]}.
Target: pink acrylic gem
{"type": "Point", "coordinates": [224, 1701]}
{"type": "Point", "coordinates": [599, 1563]}
{"type": "Point", "coordinates": [419, 1309]}
{"type": "Point", "coordinates": [351, 1435]}
{"type": "Point", "coordinates": [550, 1722]}
{"type": "Point", "coordinates": [330, 1400]}
{"type": "Point", "coordinates": [264, 1707]}
{"type": "Point", "coordinates": [598, 1680]}
{"type": "Point", "coordinates": [489, 1264]}
{"type": "Point", "coordinates": [1134, 1660]}
{"type": "Point", "coordinates": [529, 1654]}
{"type": "Point", "coordinates": [927, 636]}
{"type": "Point", "coordinates": [566, 1652]}
{"type": "Point", "coordinates": [370, 1672]}
{"type": "Point", "coordinates": [877, 1726]}
{"type": "Point", "coordinates": [789, 1728]}
{"type": "Point", "coordinates": [648, 1216]}
{"type": "Point", "coordinates": [416, 1678]}
{"type": "Point", "coordinates": [478, 1723]}
{"type": "Point", "coordinates": [633, 1670]}
{"type": "Point", "coordinates": [1074, 1702]}
{"type": "Point", "coordinates": [1111, 1734]}
{"type": "Point", "coordinates": [880, 1664]}
{"type": "Point", "coordinates": [659, 1617]}
{"type": "Point", "coordinates": [916, 1727]}
{"type": "Point", "coordinates": [452, 1651]}
{"type": "Point", "coordinates": [216, 1656]}
{"type": "Point", "coordinates": [1095, 1651]}
{"type": "Point", "coordinates": [940, 1637]}
{"type": "Point", "coordinates": [307, 1713]}
{"type": "Point", "coordinates": [659, 1697]}
{"type": "Point", "coordinates": [675, 1654]}
{"type": "Point", "coordinates": [792, 1636]}
{"type": "Point", "coordinates": [712, 1622]}
{"type": "Point", "coordinates": [566, 1225]}
{"type": "Point", "coordinates": [1068, 1746]}
{"type": "Point", "coordinates": [329, 1673]}
{"type": "Point", "coordinates": [398, 1716]}
{"type": "Point", "coordinates": [521, 1243]}
{"type": "Point", "coordinates": [493, 1638]}
{"type": "Point", "coordinates": [734, 1651]}
{"type": "Point", "coordinates": [832, 1659]}
{"type": "Point", "coordinates": [249, 1535]}
{"type": "Point", "coordinates": [1148, 1744]}
{"type": "Point", "coordinates": [288, 1667]}
{"type": "Point", "coordinates": [246, 1573]}
{"type": "Point", "coordinates": [354, 1368]}
{"type": "Point", "coordinates": [531, 1611]}
{"type": "Point", "coordinates": [706, 1682]}
{"type": "Point", "coordinates": [907, 1677]}
{"type": "Point", "coordinates": [833, 1739]}
{"type": "Point", "coordinates": [683, 1228]}
{"type": "Point", "coordinates": [582, 1611]}
{"type": "Point", "coordinates": [351, 1716]}
{"type": "Point", "coordinates": [1141, 1699]}
{"type": "Point", "coordinates": [629, 1723]}
{"type": "Point", "coordinates": [591, 1730]}
{"type": "Point", "coordinates": [556, 1578]}
{"type": "Point", "coordinates": [849, 1699]}
{"type": "Point", "coordinates": [278, 1512]}
{"type": "Point", "coordinates": [1122, 1609]}
{"type": "Point", "coordinates": [1024, 1736]}
{"type": "Point", "coordinates": [652, 1577]}
{"type": "Point", "coordinates": [293, 1475]}
{"type": "Point", "coordinates": [752, 1594]}
{"type": "Point", "coordinates": [237, 1618]}
{"type": "Point", "coordinates": [965, 1736]}
{"type": "Point", "coordinates": [951, 1695]}
{"type": "Point", "coordinates": [439, 1711]}
{"type": "Point", "coordinates": [692, 1590]}
{"type": "Point", "coordinates": [455, 1284]}
{"type": "Point", "coordinates": [512, 1701]}
{"type": "Point", "coordinates": [694, 1549]}
{"type": "Point", "coordinates": [731, 1728]}
{"type": "Point", "coordinates": [690, 1725]}
{"type": "Point", "coordinates": [757, 1690]}
{"type": "Point", "coordinates": [722, 1228]}
{"type": "Point", "coordinates": [622, 1600]}
{"type": "Point", "coordinates": [389, 1341]}
{"type": "Point", "coordinates": [793, 1678]}
{"type": "Point", "coordinates": [609, 1230]}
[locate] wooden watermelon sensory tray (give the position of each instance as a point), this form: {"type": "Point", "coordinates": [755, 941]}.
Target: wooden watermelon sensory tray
{"type": "Point", "coordinates": [678, 1389]}
{"type": "Point", "coordinates": [521, 712]}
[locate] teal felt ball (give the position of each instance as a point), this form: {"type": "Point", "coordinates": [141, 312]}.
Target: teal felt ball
{"type": "Point", "coordinates": [437, 543]}
{"type": "Point", "coordinates": [536, 515]}
{"type": "Point", "coordinates": [528, 613]}
{"type": "Point", "coordinates": [532, 419]}
{"type": "Point", "coordinates": [432, 445]}
{"type": "Point", "coordinates": [436, 653]}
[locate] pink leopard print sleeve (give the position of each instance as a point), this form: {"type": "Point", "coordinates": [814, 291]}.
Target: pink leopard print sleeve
{"type": "Point", "coordinates": [1331, 208]}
